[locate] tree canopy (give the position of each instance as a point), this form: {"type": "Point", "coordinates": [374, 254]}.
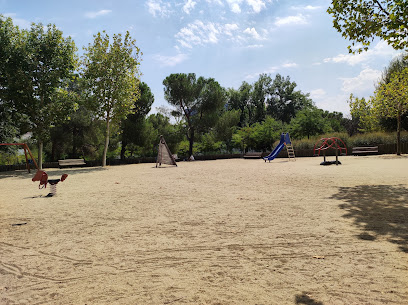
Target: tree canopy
{"type": "Point", "coordinates": [111, 77]}
{"type": "Point", "coordinates": [198, 101]}
{"type": "Point", "coordinates": [362, 20]}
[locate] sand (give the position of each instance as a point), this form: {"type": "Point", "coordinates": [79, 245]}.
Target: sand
{"type": "Point", "coordinates": [209, 232]}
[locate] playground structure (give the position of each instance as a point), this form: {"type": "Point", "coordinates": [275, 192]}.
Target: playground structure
{"type": "Point", "coordinates": [330, 143]}
{"type": "Point", "coordinates": [164, 154]}
{"type": "Point", "coordinates": [26, 151]}
{"type": "Point", "coordinates": [40, 175]}
{"type": "Point", "coordinates": [284, 141]}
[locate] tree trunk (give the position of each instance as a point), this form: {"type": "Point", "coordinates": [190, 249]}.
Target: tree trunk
{"type": "Point", "coordinates": [123, 150]}
{"type": "Point", "coordinates": [105, 150]}
{"type": "Point", "coordinates": [40, 152]}
{"type": "Point", "coordinates": [191, 140]}
{"type": "Point", "coordinates": [399, 134]}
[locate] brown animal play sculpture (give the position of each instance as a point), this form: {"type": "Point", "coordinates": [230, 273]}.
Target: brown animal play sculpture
{"type": "Point", "coordinates": [42, 176]}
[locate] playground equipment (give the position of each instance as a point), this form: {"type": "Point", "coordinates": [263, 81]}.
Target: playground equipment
{"type": "Point", "coordinates": [164, 154]}
{"type": "Point", "coordinates": [42, 176]}
{"type": "Point", "coordinates": [330, 143]}
{"type": "Point", "coordinates": [284, 141]}
{"type": "Point", "coordinates": [26, 150]}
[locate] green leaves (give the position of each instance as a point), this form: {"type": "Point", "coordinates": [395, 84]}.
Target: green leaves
{"type": "Point", "coordinates": [362, 20]}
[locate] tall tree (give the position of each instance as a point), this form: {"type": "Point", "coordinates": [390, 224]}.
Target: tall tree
{"type": "Point", "coordinates": [392, 100]}
{"type": "Point", "coordinates": [38, 66]}
{"type": "Point", "coordinates": [362, 20]}
{"type": "Point", "coordinates": [199, 101]}
{"type": "Point", "coordinates": [133, 124]}
{"type": "Point", "coordinates": [284, 100]}
{"type": "Point", "coordinates": [111, 77]}
{"type": "Point", "coordinates": [260, 95]}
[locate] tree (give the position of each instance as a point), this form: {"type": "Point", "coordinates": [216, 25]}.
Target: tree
{"type": "Point", "coordinates": [111, 78]}
{"type": "Point", "coordinates": [362, 20]}
{"type": "Point", "coordinates": [362, 110]}
{"type": "Point", "coordinates": [284, 100]}
{"type": "Point", "coordinates": [133, 124]}
{"type": "Point", "coordinates": [309, 122]}
{"type": "Point", "coordinates": [226, 126]}
{"type": "Point", "coordinates": [199, 101]}
{"type": "Point", "coordinates": [260, 95]}
{"type": "Point", "coordinates": [265, 133]}
{"type": "Point", "coordinates": [392, 100]}
{"type": "Point", "coordinates": [39, 62]}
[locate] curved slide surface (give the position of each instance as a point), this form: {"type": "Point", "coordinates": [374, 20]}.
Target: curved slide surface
{"type": "Point", "coordinates": [277, 150]}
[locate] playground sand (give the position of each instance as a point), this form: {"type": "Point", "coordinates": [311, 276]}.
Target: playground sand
{"type": "Point", "coordinates": [209, 232]}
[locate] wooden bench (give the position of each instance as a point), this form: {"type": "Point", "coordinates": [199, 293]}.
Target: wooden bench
{"type": "Point", "coordinates": [71, 162]}
{"type": "Point", "coordinates": [252, 155]}
{"type": "Point", "coordinates": [365, 150]}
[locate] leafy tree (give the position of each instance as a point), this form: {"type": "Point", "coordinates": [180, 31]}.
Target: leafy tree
{"type": "Point", "coordinates": [38, 65]}
{"type": "Point", "coordinates": [284, 100]}
{"type": "Point", "coordinates": [241, 100]}
{"type": "Point", "coordinates": [226, 126]}
{"type": "Point", "coordinates": [398, 64]}
{"type": "Point", "coordinates": [265, 133]}
{"type": "Point", "coordinates": [111, 71]}
{"type": "Point", "coordinates": [198, 101]}
{"type": "Point", "coordinates": [362, 110]}
{"type": "Point", "coordinates": [392, 100]}
{"type": "Point", "coordinates": [260, 95]}
{"type": "Point", "coordinates": [309, 122]}
{"type": "Point", "coordinates": [133, 124]}
{"type": "Point", "coordinates": [362, 20]}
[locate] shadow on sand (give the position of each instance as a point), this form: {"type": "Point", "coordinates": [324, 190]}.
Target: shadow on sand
{"type": "Point", "coordinates": [52, 172]}
{"type": "Point", "coordinates": [378, 210]}
{"type": "Point", "coordinates": [305, 299]}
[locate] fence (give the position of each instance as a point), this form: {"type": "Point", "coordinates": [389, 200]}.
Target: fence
{"type": "Point", "coordinates": [382, 149]}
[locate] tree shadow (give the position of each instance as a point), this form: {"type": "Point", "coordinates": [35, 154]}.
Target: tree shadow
{"type": "Point", "coordinates": [304, 298]}
{"type": "Point", "coordinates": [378, 210]}
{"type": "Point", "coordinates": [23, 174]}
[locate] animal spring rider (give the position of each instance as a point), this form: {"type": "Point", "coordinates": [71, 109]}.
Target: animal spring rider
{"type": "Point", "coordinates": [330, 143]}
{"type": "Point", "coordinates": [42, 176]}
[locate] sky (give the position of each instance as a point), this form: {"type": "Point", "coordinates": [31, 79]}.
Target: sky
{"type": "Point", "coordinates": [231, 41]}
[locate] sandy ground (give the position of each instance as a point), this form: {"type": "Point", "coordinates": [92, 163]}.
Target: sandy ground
{"type": "Point", "coordinates": [209, 232]}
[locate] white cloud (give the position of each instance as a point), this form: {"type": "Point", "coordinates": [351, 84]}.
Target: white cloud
{"type": "Point", "coordinates": [200, 33]}
{"type": "Point", "coordinates": [299, 19]}
{"type": "Point", "coordinates": [381, 49]}
{"type": "Point", "coordinates": [93, 15]}
{"type": "Point", "coordinates": [190, 4]}
{"type": "Point", "coordinates": [257, 5]}
{"type": "Point", "coordinates": [307, 8]}
{"type": "Point", "coordinates": [170, 61]}
{"type": "Point", "coordinates": [255, 46]}
{"type": "Point", "coordinates": [317, 93]}
{"type": "Point", "coordinates": [229, 28]}
{"type": "Point", "coordinates": [21, 23]}
{"type": "Point", "coordinates": [235, 6]}
{"type": "Point", "coordinates": [290, 65]}
{"type": "Point", "coordinates": [361, 84]}
{"type": "Point", "coordinates": [252, 32]}
{"type": "Point", "coordinates": [157, 7]}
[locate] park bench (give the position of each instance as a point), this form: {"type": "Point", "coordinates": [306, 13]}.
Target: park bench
{"type": "Point", "coordinates": [71, 162]}
{"type": "Point", "coordinates": [252, 155]}
{"type": "Point", "coordinates": [365, 150]}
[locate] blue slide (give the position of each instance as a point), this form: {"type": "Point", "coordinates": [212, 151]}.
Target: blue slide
{"type": "Point", "coordinates": [277, 149]}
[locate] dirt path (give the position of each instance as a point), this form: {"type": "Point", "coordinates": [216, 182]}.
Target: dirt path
{"type": "Point", "coordinates": [209, 232]}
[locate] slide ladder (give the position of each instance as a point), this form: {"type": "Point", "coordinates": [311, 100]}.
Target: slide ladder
{"type": "Point", "coordinates": [291, 151]}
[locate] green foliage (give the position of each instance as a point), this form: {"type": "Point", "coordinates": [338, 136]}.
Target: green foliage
{"type": "Point", "coordinates": [362, 20]}
{"type": "Point", "coordinates": [111, 78]}
{"type": "Point", "coordinates": [309, 122]}
{"type": "Point", "coordinates": [285, 101]}
{"type": "Point", "coordinates": [198, 101]}
{"type": "Point", "coordinates": [363, 111]}
{"type": "Point", "coordinates": [392, 100]}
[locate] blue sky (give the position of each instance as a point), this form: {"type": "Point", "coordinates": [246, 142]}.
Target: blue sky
{"type": "Point", "coordinates": [230, 40]}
